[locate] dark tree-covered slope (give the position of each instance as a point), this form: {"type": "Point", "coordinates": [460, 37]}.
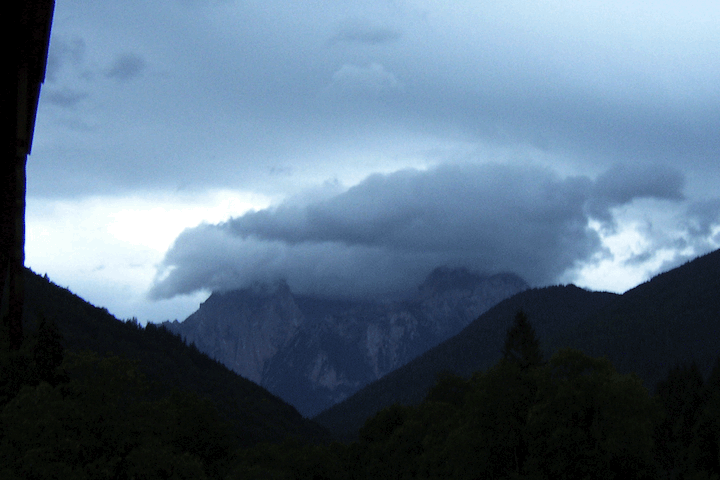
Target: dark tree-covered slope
{"type": "Point", "coordinates": [673, 318]}
{"type": "Point", "coordinates": [477, 347]}
{"type": "Point", "coordinates": [255, 414]}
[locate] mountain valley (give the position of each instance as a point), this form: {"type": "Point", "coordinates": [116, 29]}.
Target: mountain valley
{"type": "Point", "coordinates": [315, 352]}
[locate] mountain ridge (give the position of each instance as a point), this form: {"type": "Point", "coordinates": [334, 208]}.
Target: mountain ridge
{"type": "Point", "coordinates": [314, 352]}
{"type": "Point", "coordinates": [254, 414]}
{"type": "Point", "coordinates": [672, 318]}
{"type": "Point", "coordinates": [476, 347]}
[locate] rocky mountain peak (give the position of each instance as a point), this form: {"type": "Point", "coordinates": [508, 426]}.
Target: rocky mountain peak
{"type": "Point", "coordinates": [243, 328]}
{"type": "Point", "coordinates": [314, 352]}
{"type": "Point", "coordinates": [445, 278]}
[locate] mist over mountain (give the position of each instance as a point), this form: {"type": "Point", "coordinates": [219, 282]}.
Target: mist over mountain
{"type": "Point", "coordinates": [384, 235]}
{"type": "Point", "coordinates": [314, 351]}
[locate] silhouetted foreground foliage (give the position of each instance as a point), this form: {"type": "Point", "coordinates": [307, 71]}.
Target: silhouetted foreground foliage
{"type": "Point", "coordinates": [103, 423]}
{"type": "Point", "coordinates": [255, 415]}
{"type": "Point", "coordinates": [521, 345]}
{"type": "Point", "coordinates": [572, 417]}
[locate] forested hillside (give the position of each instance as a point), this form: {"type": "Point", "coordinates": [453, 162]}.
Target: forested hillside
{"type": "Point", "coordinates": [163, 410]}
{"type": "Point", "coordinates": [476, 348]}
{"type": "Point", "coordinates": [672, 319]}
{"type": "Point", "coordinates": [255, 414]}
{"type": "Point", "coordinates": [571, 416]}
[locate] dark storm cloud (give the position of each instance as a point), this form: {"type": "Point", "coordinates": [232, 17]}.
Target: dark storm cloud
{"type": "Point", "coordinates": [384, 234]}
{"type": "Point", "coordinates": [126, 67]}
{"type": "Point", "coordinates": [246, 88]}
{"type": "Point", "coordinates": [703, 215]}
{"type": "Point", "coordinates": [624, 182]}
{"type": "Point", "coordinates": [621, 183]}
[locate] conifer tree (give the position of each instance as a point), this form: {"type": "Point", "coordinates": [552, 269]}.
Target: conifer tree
{"type": "Point", "coordinates": [681, 395]}
{"type": "Point", "coordinates": [521, 344]}
{"type": "Point", "coordinates": [48, 352]}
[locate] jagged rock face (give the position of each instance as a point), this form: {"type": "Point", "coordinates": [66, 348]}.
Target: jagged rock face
{"type": "Point", "coordinates": [315, 352]}
{"type": "Point", "coordinates": [243, 329]}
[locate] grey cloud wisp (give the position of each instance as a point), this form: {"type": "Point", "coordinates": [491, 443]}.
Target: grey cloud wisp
{"type": "Point", "coordinates": [385, 234]}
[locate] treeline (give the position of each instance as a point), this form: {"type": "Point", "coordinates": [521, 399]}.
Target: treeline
{"type": "Point", "coordinates": [69, 415]}
{"type": "Point", "coordinates": [81, 415]}
{"type": "Point", "coordinates": [477, 348]}
{"type": "Point", "coordinates": [574, 417]}
{"type": "Point", "coordinates": [570, 417]}
{"type": "Point", "coordinates": [253, 414]}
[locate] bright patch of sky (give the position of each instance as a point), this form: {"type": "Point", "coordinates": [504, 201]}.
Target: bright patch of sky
{"type": "Point", "coordinates": [108, 253]}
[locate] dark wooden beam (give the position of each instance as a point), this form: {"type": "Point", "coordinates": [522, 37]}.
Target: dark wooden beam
{"type": "Point", "coordinates": [30, 20]}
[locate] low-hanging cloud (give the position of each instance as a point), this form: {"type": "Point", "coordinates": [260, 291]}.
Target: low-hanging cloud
{"type": "Point", "coordinates": [623, 182]}
{"type": "Point", "coordinates": [385, 234]}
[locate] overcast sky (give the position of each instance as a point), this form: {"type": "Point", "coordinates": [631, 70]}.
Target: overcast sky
{"type": "Point", "coordinates": [350, 147]}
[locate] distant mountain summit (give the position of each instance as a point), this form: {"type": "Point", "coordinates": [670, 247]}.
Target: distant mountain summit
{"type": "Point", "coordinates": [314, 352]}
{"type": "Point", "coordinates": [243, 329]}
{"type": "Point", "coordinates": [443, 279]}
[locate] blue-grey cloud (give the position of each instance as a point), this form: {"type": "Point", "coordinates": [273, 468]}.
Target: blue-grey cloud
{"type": "Point", "coordinates": [64, 97]}
{"type": "Point", "coordinates": [702, 217]}
{"type": "Point", "coordinates": [242, 87]}
{"type": "Point", "coordinates": [61, 53]}
{"type": "Point", "coordinates": [384, 234]}
{"type": "Point", "coordinates": [623, 182]}
{"type": "Point", "coordinates": [363, 32]}
{"type": "Point", "coordinates": [676, 233]}
{"type": "Point", "coordinates": [126, 67]}
{"type": "Point", "coordinates": [371, 78]}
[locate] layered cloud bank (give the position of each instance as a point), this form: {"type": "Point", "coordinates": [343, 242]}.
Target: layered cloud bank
{"type": "Point", "coordinates": [385, 234]}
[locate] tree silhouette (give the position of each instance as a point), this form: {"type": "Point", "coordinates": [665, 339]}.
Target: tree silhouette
{"type": "Point", "coordinates": [521, 344]}
{"type": "Point", "coordinates": [48, 352]}
{"type": "Point", "coordinates": [704, 451]}
{"type": "Point", "coordinates": [588, 421]}
{"type": "Point", "coordinates": [681, 395]}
